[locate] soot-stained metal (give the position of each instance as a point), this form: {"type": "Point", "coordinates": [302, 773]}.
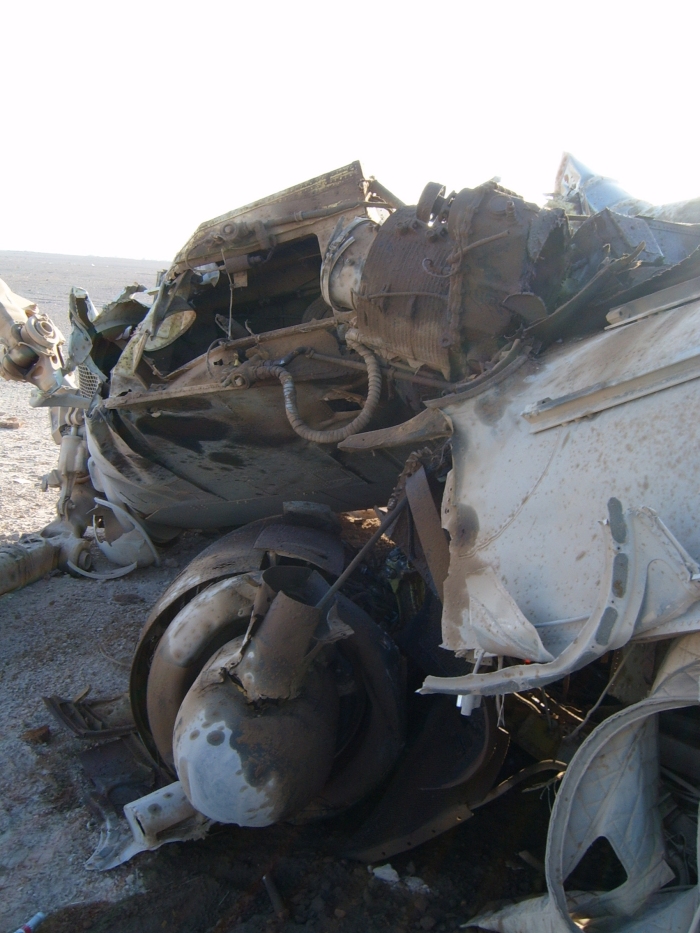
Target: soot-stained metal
{"type": "Point", "coordinates": [457, 444]}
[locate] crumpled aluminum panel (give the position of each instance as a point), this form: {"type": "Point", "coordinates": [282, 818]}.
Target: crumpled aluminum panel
{"type": "Point", "coordinates": [610, 789]}
{"type": "Point", "coordinates": [528, 501]}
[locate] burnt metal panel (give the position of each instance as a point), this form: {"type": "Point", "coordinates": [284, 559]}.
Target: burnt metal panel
{"type": "Point", "coordinates": [232, 230]}
{"type": "Point", "coordinates": [310, 544]}
{"type": "Point", "coordinates": [401, 306]}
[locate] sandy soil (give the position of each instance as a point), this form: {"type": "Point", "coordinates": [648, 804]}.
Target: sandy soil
{"type": "Point", "coordinates": [30, 452]}
{"type": "Point", "coordinates": [61, 635]}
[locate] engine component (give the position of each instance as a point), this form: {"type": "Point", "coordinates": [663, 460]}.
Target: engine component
{"type": "Point", "coordinates": [216, 613]}
{"type": "Point", "coordinates": [34, 556]}
{"type": "Point", "coordinates": [29, 343]}
{"type": "Point", "coordinates": [344, 262]}
{"type": "Point", "coordinates": [177, 667]}
{"type": "Point", "coordinates": [246, 761]}
{"type": "Point", "coordinates": [442, 291]}
{"type": "Point", "coordinates": [374, 388]}
{"type": "Point", "coordinates": [267, 703]}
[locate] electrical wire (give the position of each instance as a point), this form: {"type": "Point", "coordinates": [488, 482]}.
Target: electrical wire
{"type": "Point", "coordinates": [600, 699]}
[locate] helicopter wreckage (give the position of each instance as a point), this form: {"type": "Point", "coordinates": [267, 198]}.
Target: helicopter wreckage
{"type": "Point", "coordinates": [514, 390]}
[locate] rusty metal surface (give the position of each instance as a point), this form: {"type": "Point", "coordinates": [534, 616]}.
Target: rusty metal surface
{"type": "Point", "coordinates": [274, 662]}
{"type": "Point", "coordinates": [320, 548]}
{"type": "Point", "coordinates": [247, 227]}
{"type": "Point", "coordinates": [35, 555]}
{"type": "Point", "coordinates": [254, 764]}
{"type": "Point", "coordinates": [233, 553]}
{"type": "Point", "coordinates": [240, 758]}
{"type": "Point", "coordinates": [25, 562]}
{"type": "Point", "coordinates": [193, 456]}
{"type": "Point", "coordinates": [459, 281]}
{"type": "Point", "coordinates": [228, 465]}
{"type": "Point", "coordinates": [427, 521]}
{"type": "Point", "coordinates": [209, 615]}
{"type": "Point", "coordinates": [401, 307]}
{"type": "Point", "coordinates": [179, 431]}
{"type": "Point", "coordinates": [425, 426]}
{"type": "Point", "coordinates": [94, 720]}
{"type": "Point", "coordinates": [282, 758]}
{"type": "Point", "coordinates": [215, 615]}
{"type": "Point", "coordinates": [504, 247]}
{"type": "Point", "coordinates": [284, 706]}
{"type": "Point", "coordinates": [369, 671]}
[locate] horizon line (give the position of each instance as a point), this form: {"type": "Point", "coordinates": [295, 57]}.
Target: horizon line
{"type": "Point", "coordinates": [36, 252]}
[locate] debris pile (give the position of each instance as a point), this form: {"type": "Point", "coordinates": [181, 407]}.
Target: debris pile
{"type": "Point", "coordinates": [456, 443]}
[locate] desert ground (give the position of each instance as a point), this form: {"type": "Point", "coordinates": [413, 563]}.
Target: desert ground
{"type": "Point", "coordinates": [63, 635]}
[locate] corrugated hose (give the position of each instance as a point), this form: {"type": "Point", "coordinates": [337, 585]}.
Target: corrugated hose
{"type": "Point", "coordinates": [374, 389]}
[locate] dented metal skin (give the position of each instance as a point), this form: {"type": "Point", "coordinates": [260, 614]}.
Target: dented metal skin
{"type": "Point", "coordinates": [531, 372]}
{"type": "Point", "coordinates": [312, 723]}
{"type": "Point", "coordinates": [552, 466]}
{"type": "Point", "coordinates": [255, 734]}
{"type": "Point", "coordinates": [170, 408]}
{"type": "Point", "coordinates": [254, 764]}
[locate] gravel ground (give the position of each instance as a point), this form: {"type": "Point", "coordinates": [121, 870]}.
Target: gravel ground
{"type": "Point", "coordinates": [61, 635]}
{"type": "Point", "coordinates": [29, 451]}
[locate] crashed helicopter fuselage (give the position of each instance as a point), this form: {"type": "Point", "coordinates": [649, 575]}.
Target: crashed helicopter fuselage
{"type": "Point", "coordinates": [518, 384]}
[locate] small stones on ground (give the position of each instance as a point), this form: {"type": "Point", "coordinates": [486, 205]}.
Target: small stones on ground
{"type": "Point", "coordinates": [10, 423]}
{"type": "Point", "coordinates": [421, 904]}
{"type": "Point", "coordinates": [416, 885]}
{"type": "Point", "coordinates": [427, 922]}
{"type": "Point", "coordinates": [128, 599]}
{"type": "Point", "coordinates": [386, 873]}
{"type": "Point", "coordinates": [39, 736]}
{"type": "Point", "coordinates": [318, 905]}
{"type": "Point", "coordinates": [339, 913]}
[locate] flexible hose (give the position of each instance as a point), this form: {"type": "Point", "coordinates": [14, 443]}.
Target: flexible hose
{"type": "Point", "coordinates": [374, 389]}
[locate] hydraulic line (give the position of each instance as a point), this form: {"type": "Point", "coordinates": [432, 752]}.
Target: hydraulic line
{"type": "Point", "coordinates": [333, 436]}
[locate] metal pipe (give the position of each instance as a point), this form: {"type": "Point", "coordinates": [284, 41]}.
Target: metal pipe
{"type": "Point", "coordinates": [388, 520]}
{"type": "Point", "coordinates": [305, 328]}
{"type": "Point", "coordinates": [374, 389]}
{"type": "Point", "coordinates": [275, 899]}
{"type": "Point", "coordinates": [406, 375]}
{"type": "Point", "coordinates": [376, 187]}
{"type": "Point", "coordinates": [464, 390]}
{"type": "Point", "coordinates": [549, 764]}
{"type": "Point", "coordinates": [323, 212]}
{"type": "Point", "coordinates": [380, 295]}
{"type": "Point", "coordinates": [32, 924]}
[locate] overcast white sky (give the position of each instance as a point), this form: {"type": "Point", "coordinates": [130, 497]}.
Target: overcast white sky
{"type": "Point", "coordinates": [126, 124]}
